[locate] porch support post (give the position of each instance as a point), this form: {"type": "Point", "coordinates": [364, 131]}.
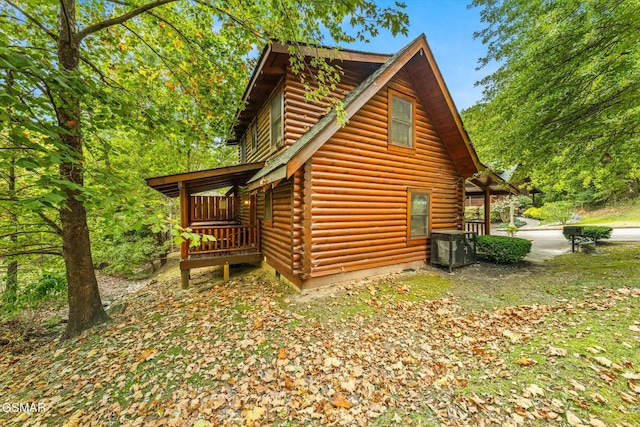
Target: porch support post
{"type": "Point", "coordinates": [184, 279]}
{"type": "Point", "coordinates": [184, 223]}
{"type": "Point", "coordinates": [226, 272]}
{"type": "Point", "coordinates": [487, 210]}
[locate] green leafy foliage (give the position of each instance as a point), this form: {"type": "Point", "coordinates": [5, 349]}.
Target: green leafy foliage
{"type": "Point", "coordinates": [473, 212]}
{"type": "Point", "coordinates": [127, 253]}
{"type": "Point", "coordinates": [557, 212]}
{"type": "Point", "coordinates": [47, 287]}
{"type": "Point", "coordinates": [511, 230]}
{"type": "Point", "coordinates": [593, 233]}
{"type": "Point", "coordinates": [562, 102]}
{"type": "Point", "coordinates": [98, 94]}
{"type": "Point", "coordinates": [524, 202]}
{"type": "Point", "coordinates": [516, 221]}
{"type": "Point", "coordinates": [502, 249]}
{"type": "Point", "coordinates": [502, 208]}
{"type": "Point", "coordinates": [535, 213]}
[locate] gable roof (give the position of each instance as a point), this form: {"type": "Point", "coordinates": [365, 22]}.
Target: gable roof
{"type": "Point", "coordinates": [433, 93]}
{"type": "Point", "coordinates": [272, 67]}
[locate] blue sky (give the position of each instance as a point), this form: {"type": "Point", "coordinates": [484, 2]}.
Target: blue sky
{"type": "Point", "coordinates": [449, 26]}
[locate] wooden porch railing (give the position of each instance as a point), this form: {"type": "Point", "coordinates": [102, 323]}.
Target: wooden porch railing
{"type": "Point", "coordinates": [213, 208]}
{"type": "Point", "coordinates": [476, 226]}
{"type": "Point", "coordinates": [229, 238]}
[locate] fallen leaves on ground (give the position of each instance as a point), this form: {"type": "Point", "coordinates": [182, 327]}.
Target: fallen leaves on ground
{"type": "Point", "coordinates": [240, 354]}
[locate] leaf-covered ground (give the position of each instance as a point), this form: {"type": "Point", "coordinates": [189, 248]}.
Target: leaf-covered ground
{"type": "Point", "coordinates": [415, 349]}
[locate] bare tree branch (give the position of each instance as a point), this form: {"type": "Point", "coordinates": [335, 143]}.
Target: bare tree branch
{"type": "Point", "coordinates": [120, 19]}
{"type": "Point", "coordinates": [234, 19]}
{"type": "Point", "coordinates": [44, 251]}
{"type": "Point", "coordinates": [32, 19]}
{"type": "Point", "coordinates": [162, 58]}
{"type": "Point", "coordinates": [51, 223]}
{"type": "Point", "coordinates": [182, 35]}
{"type": "Point", "coordinates": [19, 233]}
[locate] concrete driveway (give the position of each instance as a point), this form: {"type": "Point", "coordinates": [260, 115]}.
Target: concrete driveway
{"type": "Point", "coordinates": [549, 242]}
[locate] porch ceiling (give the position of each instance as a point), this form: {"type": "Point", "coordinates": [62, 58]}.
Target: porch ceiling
{"type": "Point", "coordinates": [206, 180]}
{"type": "Point", "coordinates": [489, 180]}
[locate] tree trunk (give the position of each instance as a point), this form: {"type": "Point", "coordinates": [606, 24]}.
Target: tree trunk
{"type": "Point", "coordinates": [85, 305]}
{"type": "Point", "coordinates": [10, 294]}
{"type": "Point", "coordinates": [11, 287]}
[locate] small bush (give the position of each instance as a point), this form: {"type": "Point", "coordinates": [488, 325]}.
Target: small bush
{"type": "Point", "coordinates": [535, 213]}
{"type": "Point", "coordinates": [557, 212]}
{"type": "Point", "coordinates": [511, 230]}
{"type": "Point", "coordinates": [127, 253]}
{"type": "Point", "coordinates": [47, 287]}
{"type": "Point", "coordinates": [593, 233]}
{"type": "Point", "coordinates": [517, 222]}
{"type": "Point", "coordinates": [524, 202]}
{"type": "Point", "coordinates": [501, 249]}
{"type": "Point", "coordinates": [473, 212]}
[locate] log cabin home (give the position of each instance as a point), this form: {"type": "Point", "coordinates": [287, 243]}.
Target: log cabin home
{"type": "Point", "coordinates": [319, 201]}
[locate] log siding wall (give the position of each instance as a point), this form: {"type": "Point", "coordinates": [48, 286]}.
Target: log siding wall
{"type": "Point", "coordinates": [281, 239]}
{"type": "Point", "coordinates": [276, 238]}
{"type": "Point", "coordinates": [299, 115]}
{"type": "Point", "coordinates": [359, 190]}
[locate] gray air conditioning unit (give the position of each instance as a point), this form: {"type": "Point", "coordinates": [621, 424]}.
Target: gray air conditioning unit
{"type": "Point", "coordinates": [453, 248]}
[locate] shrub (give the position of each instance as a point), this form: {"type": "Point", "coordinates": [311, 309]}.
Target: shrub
{"type": "Point", "coordinates": [47, 287]}
{"type": "Point", "coordinates": [511, 230]}
{"type": "Point", "coordinates": [517, 221]}
{"type": "Point", "coordinates": [502, 208]}
{"type": "Point", "coordinates": [501, 249]}
{"type": "Point", "coordinates": [524, 202]}
{"type": "Point", "coordinates": [557, 212]}
{"type": "Point", "coordinates": [473, 212]}
{"type": "Point", "coordinates": [127, 253]}
{"type": "Point", "coordinates": [535, 213]}
{"type": "Point", "coordinates": [593, 233]}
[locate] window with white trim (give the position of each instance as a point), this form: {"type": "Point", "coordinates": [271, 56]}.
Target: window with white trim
{"type": "Point", "coordinates": [418, 213]}
{"type": "Point", "coordinates": [401, 120]}
{"type": "Point", "coordinates": [253, 137]}
{"type": "Point", "coordinates": [276, 119]}
{"type": "Point", "coordinates": [268, 206]}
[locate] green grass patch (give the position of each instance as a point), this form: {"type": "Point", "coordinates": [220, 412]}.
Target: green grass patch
{"type": "Point", "coordinates": [371, 299]}
{"type": "Point", "coordinates": [620, 215]}
{"type": "Point", "coordinates": [424, 417]}
{"type": "Point", "coordinates": [589, 380]}
{"type": "Point", "coordinates": [569, 276]}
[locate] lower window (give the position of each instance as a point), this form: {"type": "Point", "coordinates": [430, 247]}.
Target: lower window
{"type": "Point", "coordinates": [418, 213]}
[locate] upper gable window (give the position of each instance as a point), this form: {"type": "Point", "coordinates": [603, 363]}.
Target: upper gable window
{"type": "Point", "coordinates": [243, 150]}
{"type": "Point", "coordinates": [253, 137]}
{"type": "Point", "coordinates": [276, 119]}
{"type": "Point", "coordinates": [401, 120]}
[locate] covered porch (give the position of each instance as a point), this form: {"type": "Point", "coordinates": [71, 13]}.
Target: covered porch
{"type": "Point", "coordinates": [483, 187]}
{"type": "Point", "coordinates": [232, 224]}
